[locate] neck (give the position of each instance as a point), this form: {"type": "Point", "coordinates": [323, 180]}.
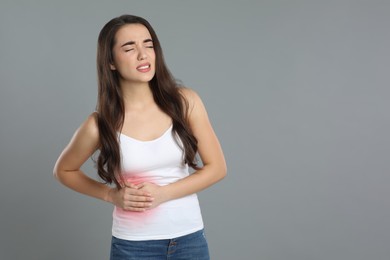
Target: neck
{"type": "Point", "coordinates": [136, 94]}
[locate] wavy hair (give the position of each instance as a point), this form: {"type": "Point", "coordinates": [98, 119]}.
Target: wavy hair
{"type": "Point", "coordinates": [110, 104]}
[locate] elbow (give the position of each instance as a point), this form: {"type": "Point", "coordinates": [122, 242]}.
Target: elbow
{"type": "Point", "coordinates": [61, 176]}
{"type": "Point", "coordinates": [57, 173]}
{"type": "Point", "coordinates": [216, 172]}
{"type": "Point", "coordinates": [222, 171]}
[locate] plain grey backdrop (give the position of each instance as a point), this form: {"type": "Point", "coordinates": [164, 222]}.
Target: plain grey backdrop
{"type": "Point", "coordinates": [297, 91]}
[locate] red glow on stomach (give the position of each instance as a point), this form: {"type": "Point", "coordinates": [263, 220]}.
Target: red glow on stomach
{"type": "Point", "coordinates": [136, 178]}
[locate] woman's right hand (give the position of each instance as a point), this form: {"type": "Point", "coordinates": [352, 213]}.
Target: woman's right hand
{"type": "Point", "coordinates": [130, 198]}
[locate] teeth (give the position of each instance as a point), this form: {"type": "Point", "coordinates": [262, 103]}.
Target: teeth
{"type": "Point", "coordinates": [143, 67]}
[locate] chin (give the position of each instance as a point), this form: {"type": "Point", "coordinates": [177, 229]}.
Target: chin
{"type": "Point", "coordinates": [149, 77]}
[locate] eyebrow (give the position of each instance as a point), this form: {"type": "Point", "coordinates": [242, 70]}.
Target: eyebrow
{"type": "Point", "coordinates": [133, 42]}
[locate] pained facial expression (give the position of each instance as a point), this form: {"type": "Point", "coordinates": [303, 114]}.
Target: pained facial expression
{"type": "Point", "coordinates": [133, 54]}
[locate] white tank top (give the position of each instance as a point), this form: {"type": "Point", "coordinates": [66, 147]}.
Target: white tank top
{"type": "Point", "coordinates": [159, 161]}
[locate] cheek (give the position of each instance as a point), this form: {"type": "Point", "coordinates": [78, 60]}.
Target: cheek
{"type": "Point", "coordinates": [124, 65]}
{"type": "Point", "coordinates": [152, 54]}
{"type": "Point", "coordinates": [153, 58]}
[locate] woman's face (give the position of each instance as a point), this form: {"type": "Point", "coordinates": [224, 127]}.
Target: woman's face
{"type": "Point", "coordinates": [133, 54]}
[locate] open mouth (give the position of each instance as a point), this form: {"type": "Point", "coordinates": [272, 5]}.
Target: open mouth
{"type": "Point", "coordinates": [144, 67]}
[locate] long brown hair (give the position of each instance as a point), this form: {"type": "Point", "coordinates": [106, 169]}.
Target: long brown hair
{"type": "Point", "coordinates": [110, 104]}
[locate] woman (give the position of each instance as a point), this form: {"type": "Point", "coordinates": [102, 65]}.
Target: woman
{"type": "Point", "coordinates": [147, 130]}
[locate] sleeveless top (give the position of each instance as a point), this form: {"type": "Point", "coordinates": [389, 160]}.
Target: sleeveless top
{"type": "Point", "coordinates": [159, 161]}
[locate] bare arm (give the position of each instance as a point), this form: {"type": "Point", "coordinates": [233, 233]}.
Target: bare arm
{"type": "Point", "coordinates": [209, 149]}
{"type": "Point", "coordinates": [83, 144]}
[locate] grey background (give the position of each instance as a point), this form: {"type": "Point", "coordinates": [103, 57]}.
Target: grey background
{"type": "Point", "coordinates": [297, 92]}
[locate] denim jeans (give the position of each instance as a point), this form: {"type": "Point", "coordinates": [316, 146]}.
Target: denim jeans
{"type": "Point", "coordinates": [189, 247]}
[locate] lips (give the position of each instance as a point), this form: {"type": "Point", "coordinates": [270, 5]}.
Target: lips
{"type": "Point", "coordinates": [144, 67]}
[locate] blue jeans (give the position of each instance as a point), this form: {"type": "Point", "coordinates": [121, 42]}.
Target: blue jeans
{"type": "Point", "coordinates": [189, 247]}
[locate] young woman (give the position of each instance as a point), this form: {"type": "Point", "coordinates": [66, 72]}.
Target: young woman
{"type": "Point", "coordinates": [147, 131]}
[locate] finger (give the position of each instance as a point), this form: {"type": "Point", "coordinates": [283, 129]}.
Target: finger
{"type": "Point", "coordinates": [135, 209]}
{"type": "Point", "coordinates": [140, 198]}
{"type": "Point", "coordinates": [130, 185]}
{"type": "Point", "coordinates": [137, 205]}
{"type": "Point", "coordinates": [136, 192]}
{"type": "Point", "coordinates": [137, 197]}
{"type": "Point", "coordinates": [139, 186]}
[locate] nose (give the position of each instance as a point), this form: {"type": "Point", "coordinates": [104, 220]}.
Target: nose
{"type": "Point", "coordinates": [141, 54]}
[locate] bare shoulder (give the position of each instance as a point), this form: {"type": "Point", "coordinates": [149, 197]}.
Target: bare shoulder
{"type": "Point", "coordinates": [90, 126]}
{"type": "Point", "coordinates": [191, 97]}
{"type": "Point", "coordinates": [88, 132]}
{"type": "Point", "coordinates": [187, 92]}
{"type": "Point", "coordinates": [83, 144]}
{"type": "Point", "coordinates": [196, 109]}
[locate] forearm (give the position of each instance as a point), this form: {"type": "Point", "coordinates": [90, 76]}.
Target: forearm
{"type": "Point", "coordinates": [78, 181]}
{"type": "Point", "coordinates": [194, 183]}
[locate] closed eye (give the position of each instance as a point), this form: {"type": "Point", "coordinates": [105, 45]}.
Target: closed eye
{"type": "Point", "coordinates": [148, 41]}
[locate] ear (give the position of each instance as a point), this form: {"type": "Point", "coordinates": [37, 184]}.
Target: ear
{"type": "Point", "coordinates": [112, 67]}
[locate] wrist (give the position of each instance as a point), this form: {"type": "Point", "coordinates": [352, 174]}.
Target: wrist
{"type": "Point", "coordinates": [108, 196]}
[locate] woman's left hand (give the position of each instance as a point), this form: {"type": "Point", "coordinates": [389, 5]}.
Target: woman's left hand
{"type": "Point", "coordinates": [156, 191]}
